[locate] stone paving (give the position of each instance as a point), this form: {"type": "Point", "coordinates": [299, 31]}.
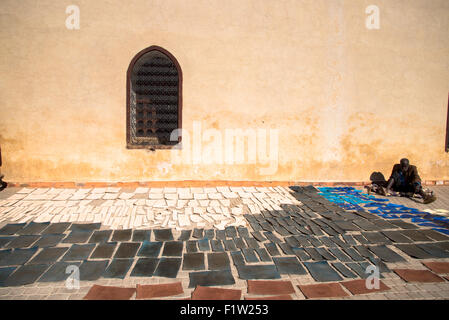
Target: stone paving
{"type": "Point", "coordinates": [143, 207]}
{"type": "Point", "coordinates": [223, 242]}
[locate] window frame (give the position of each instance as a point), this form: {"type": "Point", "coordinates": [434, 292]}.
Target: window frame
{"type": "Point", "coordinates": [129, 143]}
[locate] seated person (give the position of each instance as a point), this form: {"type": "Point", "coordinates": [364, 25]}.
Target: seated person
{"type": "Point", "coordinates": [405, 180]}
{"type": "Point", "coordinates": [3, 184]}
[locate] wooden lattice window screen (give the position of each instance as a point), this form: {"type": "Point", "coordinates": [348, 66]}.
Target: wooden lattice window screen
{"type": "Point", "coordinates": [154, 82]}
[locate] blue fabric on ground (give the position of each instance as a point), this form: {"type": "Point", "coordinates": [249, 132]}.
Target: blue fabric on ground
{"type": "Point", "coordinates": [428, 224]}
{"type": "Point", "coordinates": [418, 220]}
{"type": "Point", "coordinates": [349, 198]}
{"type": "Point", "coordinates": [445, 231]}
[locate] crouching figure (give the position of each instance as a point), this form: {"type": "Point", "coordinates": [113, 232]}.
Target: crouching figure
{"type": "Point", "coordinates": [405, 181]}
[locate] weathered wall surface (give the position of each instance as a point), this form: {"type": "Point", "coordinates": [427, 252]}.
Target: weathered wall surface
{"type": "Point", "coordinates": [347, 100]}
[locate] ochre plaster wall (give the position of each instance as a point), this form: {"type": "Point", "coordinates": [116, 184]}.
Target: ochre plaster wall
{"type": "Point", "coordinates": [347, 100]}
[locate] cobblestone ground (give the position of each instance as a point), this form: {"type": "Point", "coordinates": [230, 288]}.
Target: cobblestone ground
{"type": "Point", "coordinates": [306, 246]}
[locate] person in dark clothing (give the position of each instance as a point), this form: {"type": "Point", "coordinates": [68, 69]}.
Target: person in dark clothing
{"type": "Point", "coordinates": [3, 184]}
{"type": "Point", "coordinates": [406, 180]}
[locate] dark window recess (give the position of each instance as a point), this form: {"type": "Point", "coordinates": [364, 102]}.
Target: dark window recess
{"type": "Point", "coordinates": [154, 99]}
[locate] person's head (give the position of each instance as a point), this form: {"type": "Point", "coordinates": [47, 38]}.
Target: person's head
{"type": "Point", "coordinates": [404, 164]}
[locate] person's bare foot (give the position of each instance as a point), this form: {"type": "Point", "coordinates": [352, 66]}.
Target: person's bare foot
{"type": "Point", "coordinates": [429, 198]}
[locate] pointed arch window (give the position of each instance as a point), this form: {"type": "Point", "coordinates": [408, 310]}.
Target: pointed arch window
{"type": "Point", "coordinates": [154, 100]}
